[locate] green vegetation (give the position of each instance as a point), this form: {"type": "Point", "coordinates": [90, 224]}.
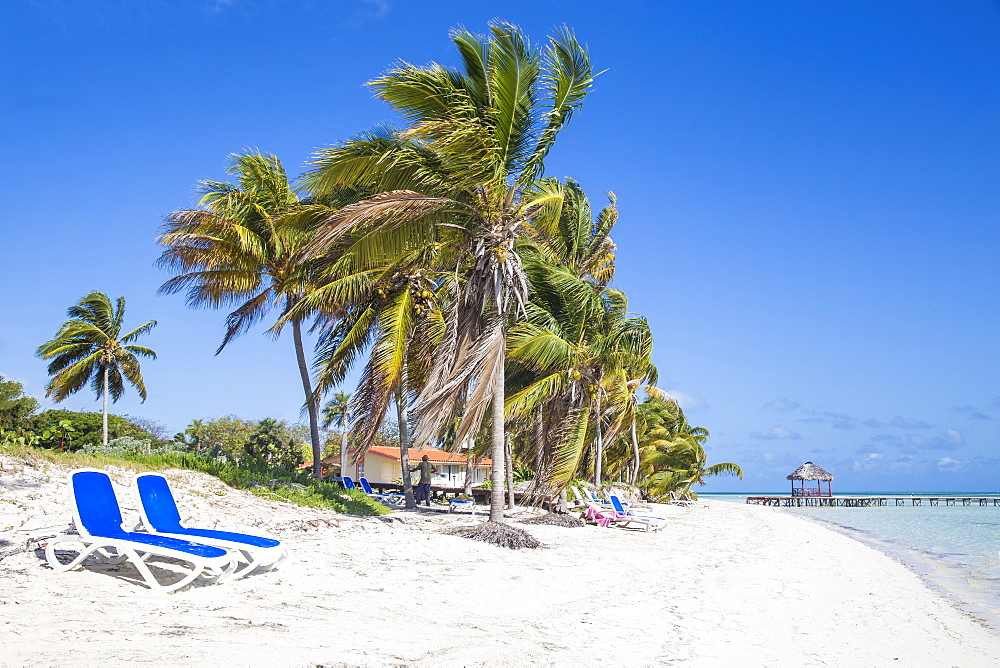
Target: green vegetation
{"type": "Point", "coordinates": [274, 484]}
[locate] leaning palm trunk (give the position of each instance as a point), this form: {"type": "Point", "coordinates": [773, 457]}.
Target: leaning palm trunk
{"type": "Point", "coordinates": [105, 418]}
{"type": "Point", "coordinates": [404, 439]}
{"type": "Point", "coordinates": [470, 470]}
{"type": "Point", "coordinates": [497, 470]}
{"type": "Point", "coordinates": [311, 400]}
{"type": "Point", "coordinates": [598, 445]}
{"type": "Point", "coordinates": [343, 446]}
{"type": "Point", "coordinates": [636, 456]}
{"type": "Point", "coordinates": [509, 470]}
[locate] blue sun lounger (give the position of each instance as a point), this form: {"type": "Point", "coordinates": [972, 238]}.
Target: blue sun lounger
{"type": "Point", "coordinates": [390, 499]}
{"type": "Point", "coordinates": [626, 517]}
{"type": "Point", "coordinates": [97, 519]}
{"type": "Point", "coordinates": [160, 516]}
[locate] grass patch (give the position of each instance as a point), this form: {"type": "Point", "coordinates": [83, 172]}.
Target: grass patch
{"type": "Point", "coordinates": [278, 485]}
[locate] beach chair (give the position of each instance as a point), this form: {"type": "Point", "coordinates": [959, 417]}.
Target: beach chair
{"type": "Point", "coordinates": [389, 499]}
{"type": "Point", "coordinates": [347, 483]}
{"type": "Point", "coordinates": [602, 516]}
{"type": "Point", "coordinates": [626, 517]}
{"type": "Point", "coordinates": [628, 503]}
{"type": "Point", "coordinates": [455, 504]}
{"type": "Point", "coordinates": [97, 520]}
{"type": "Point", "coordinates": [160, 516]}
{"type": "Point", "coordinates": [684, 501]}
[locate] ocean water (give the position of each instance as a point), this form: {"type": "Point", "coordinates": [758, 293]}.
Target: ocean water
{"type": "Point", "coordinates": [954, 549]}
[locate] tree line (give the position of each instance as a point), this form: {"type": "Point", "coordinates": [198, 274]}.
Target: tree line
{"type": "Point", "coordinates": [474, 291]}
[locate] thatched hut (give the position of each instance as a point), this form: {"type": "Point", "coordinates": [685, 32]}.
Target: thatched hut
{"type": "Point", "coordinates": [811, 472]}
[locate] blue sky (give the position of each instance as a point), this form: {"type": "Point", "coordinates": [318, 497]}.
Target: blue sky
{"type": "Point", "coordinates": [808, 193]}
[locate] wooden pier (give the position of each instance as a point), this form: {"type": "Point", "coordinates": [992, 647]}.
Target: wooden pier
{"type": "Point", "coordinates": [871, 501]}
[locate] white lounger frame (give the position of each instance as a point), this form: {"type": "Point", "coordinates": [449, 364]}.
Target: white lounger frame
{"type": "Point", "coordinates": [116, 551]}
{"type": "Point", "coordinates": [253, 557]}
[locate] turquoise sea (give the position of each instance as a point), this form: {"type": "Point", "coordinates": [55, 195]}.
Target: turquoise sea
{"type": "Point", "coordinates": [954, 549]}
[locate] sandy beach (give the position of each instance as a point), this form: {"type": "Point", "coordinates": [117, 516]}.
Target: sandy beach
{"type": "Point", "coordinates": [722, 585]}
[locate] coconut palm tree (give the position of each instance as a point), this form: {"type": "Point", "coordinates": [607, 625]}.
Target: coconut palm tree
{"type": "Point", "coordinates": [673, 453]}
{"type": "Point", "coordinates": [243, 248]}
{"type": "Point", "coordinates": [336, 411]}
{"type": "Point", "coordinates": [391, 313]}
{"type": "Point", "coordinates": [574, 357]}
{"type": "Point", "coordinates": [467, 169]}
{"type": "Point", "coordinates": [90, 347]}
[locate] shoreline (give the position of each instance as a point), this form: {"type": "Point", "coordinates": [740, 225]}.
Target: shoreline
{"type": "Point", "coordinates": [722, 584]}
{"type": "Point", "coordinates": [946, 580]}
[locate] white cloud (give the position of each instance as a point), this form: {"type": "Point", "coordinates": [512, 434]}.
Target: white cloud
{"type": "Point", "coordinates": [776, 433]}
{"type": "Point", "coordinates": [782, 405]}
{"type": "Point", "coordinates": [686, 401]}
{"type": "Point", "coordinates": [949, 465]}
{"type": "Point", "coordinates": [908, 423]}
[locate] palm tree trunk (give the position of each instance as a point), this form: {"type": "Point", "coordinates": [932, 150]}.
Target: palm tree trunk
{"type": "Point", "coordinates": [312, 402]}
{"type": "Point", "coordinates": [343, 444]}
{"type": "Point", "coordinates": [634, 477]}
{"type": "Point", "coordinates": [470, 469]}
{"type": "Point", "coordinates": [598, 444]}
{"type": "Point", "coordinates": [509, 466]}
{"type": "Point", "coordinates": [105, 422]}
{"type": "Point", "coordinates": [497, 446]}
{"type": "Point", "coordinates": [404, 439]}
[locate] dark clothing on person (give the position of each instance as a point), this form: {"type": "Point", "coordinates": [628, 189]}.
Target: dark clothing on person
{"type": "Point", "coordinates": [426, 469]}
{"type": "Point", "coordinates": [424, 493]}
{"type": "Point", "coordinates": [424, 486]}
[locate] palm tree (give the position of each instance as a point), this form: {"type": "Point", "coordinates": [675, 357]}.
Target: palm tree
{"type": "Point", "coordinates": [674, 457]}
{"type": "Point", "coordinates": [336, 412]}
{"type": "Point", "coordinates": [243, 248]}
{"type": "Point", "coordinates": [575, 355]}
{"type": "Point", "coordinates": [468, 168]}
{"type": "Point", "coordinates": [391, 312]}
{"type": "Point", "coordinates": [91, 348]}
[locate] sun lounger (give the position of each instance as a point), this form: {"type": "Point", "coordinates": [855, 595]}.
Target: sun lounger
{"type": "Point", "coordinates": [160, 516]}
{"type": "Point", "coordinates": [626, 517]}
{"type": "Point", "coordinates": [98, 521]}
{"type": "Point", "coordinates": [455, 504]}
{"type": "Point", "coordinates": [684, 501]}
{"type": "Point", "coordinates": [347, 483]}
{"type": "Point", "coordinates": [602, 516]}
{"type": "Point", "coordinates": [389, 499]}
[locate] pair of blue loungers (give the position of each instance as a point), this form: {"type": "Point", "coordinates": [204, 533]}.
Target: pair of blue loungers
{"type": "Point", "coordinates": [213, 555]}
{"type": "Point", "coordinates": [387, 499]}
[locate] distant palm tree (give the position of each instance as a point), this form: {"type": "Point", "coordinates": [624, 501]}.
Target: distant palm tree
{"type": "Point", "coordinates": [336, 411]}
{"type": "Point", "coordinates": [90, 347]}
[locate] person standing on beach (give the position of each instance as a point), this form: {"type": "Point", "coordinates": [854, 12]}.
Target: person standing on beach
{"type": "Point", "coordinates": [424, 486]}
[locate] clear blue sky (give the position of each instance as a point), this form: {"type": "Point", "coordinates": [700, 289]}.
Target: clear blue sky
{"type": "Point", "coordinates": [808, 190]}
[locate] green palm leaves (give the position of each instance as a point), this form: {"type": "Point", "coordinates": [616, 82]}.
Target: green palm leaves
{"type": "Point", "coordinates": [244, 248]}
{"type": "Point", "coordinates": [674, 457]}
{"type": "Point", "coordinates": [90, 348]}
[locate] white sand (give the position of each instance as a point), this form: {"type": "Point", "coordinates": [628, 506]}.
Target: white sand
{"type": "Point", "coordinates": [723, 585]}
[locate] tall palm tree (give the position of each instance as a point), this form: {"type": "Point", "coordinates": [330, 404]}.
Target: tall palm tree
{"type": "Point", "coordinates": [336, 411]}
{"type": "Point", "coordinates": [468, 168]}
{"type": "Point", "coordinates": [91, 347]}
{"type": "Point", "coordinates": [243, 248]}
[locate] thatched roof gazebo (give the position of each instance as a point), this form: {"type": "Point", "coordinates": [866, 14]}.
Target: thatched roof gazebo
{"type": "Point", "coordinates": [810, 471]}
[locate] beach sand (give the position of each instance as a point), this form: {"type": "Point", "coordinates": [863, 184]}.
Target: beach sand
{"type": "Point", "coordinates": [722, 585]}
